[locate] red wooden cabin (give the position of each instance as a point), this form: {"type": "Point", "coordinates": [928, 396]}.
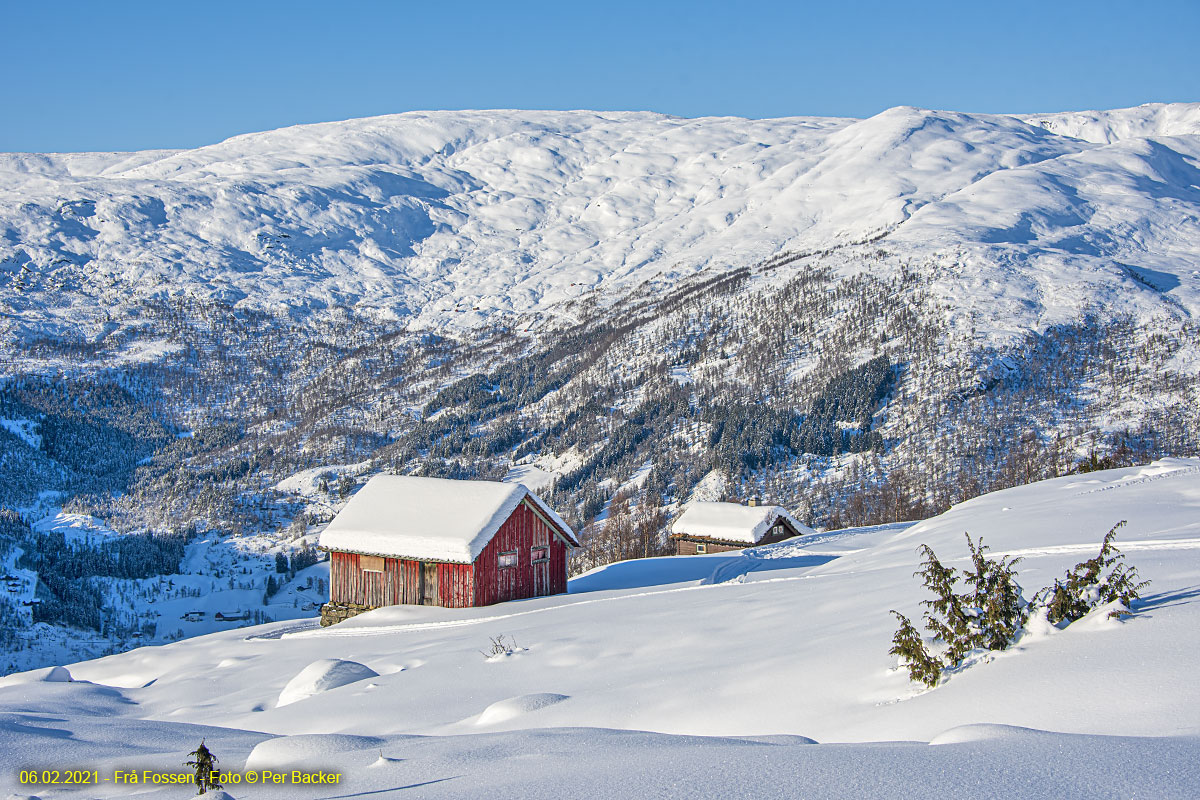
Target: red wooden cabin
{"type": "Point", "coordinates": [430, 541]}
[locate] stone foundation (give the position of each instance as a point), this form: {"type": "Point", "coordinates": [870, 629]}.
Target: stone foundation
{"type": "Point", "coordinates": [333, 613]}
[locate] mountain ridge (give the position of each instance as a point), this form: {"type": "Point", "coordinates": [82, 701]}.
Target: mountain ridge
{"type": "Point", "coordinates": [441, 220]}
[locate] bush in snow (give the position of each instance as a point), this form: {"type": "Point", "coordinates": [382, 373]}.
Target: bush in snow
{"type": "Point", "coordinates": [987, 616]}
{"type": "Point", "coordinates": [499, 647]}
{"type": "Point", "coordinates": [992, 612]}
{"type": "Point", "coordinates": [909, 647]}
{"type": "Point", "coordinates": [997, 607]}
{"type": "Point", "coordinates": [1086, 586]}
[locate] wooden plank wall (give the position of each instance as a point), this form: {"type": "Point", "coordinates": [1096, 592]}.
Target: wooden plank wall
{"type": "Point", "coordinates": [521, 532]}
{"type": "Point", "coordinates": [348, 583]}
{"type": "Point", "coordinates": [686, 547]}
{"type": "Point", "coordinates": [400, 582]}
{"type": "Point", "coordinates": [456, 585]}
{"type": "Point", "coordinates": [406, 581]}
{"type": "Point", "coordinates": [345, 578]}
{"type": "Point", "coordinates": [777, 533]}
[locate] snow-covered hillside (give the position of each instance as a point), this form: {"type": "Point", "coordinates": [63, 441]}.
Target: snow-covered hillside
{"type": "Point", "coordinates": [443, 219]}
{"type": "Point", "coordinates": [859, 320]}
{"type": "Point", "coordinates": [700, 676]}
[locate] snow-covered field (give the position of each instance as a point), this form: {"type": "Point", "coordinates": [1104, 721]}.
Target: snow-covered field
{"type": "Point", "coordinates": [704, 676]}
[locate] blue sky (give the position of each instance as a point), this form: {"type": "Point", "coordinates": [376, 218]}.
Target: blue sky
{"type": "Point", "coordinates": [135, 75]}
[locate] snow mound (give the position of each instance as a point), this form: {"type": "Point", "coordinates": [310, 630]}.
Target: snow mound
{"type": "Point", "coordinates": [57, 675]}
{"type": "Point", "coordinates": [647, 572]}
{"type": "Point", "coordinates": [987, 732]}
{"type": "Point", "coordinates": [321, 676]}
{"type": "Point", "coordinates": [1103, 617]}
{"type": "Point", "coordinates": [384, 761]}
{"type": "Point", "coordinates": [310, 750]}
{"type": "Point", "coordinates": [43, 675]}
{"type": "Point", "coordinates": [513, 707]}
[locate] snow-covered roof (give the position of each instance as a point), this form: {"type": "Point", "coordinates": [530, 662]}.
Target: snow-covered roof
{"type": "Point", "coordinates": [731, 522]}
{"type": "Point", "coordinates": [429, 519]}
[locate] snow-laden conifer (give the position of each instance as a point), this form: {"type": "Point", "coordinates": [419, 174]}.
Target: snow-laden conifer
{"type": "Point", "coordinates": [909, 647]}
{"type": "Point", "coordinates": [1086, 586]}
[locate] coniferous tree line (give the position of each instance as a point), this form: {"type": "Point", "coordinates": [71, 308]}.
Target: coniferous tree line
{"type": "Point", "coordinates": [68, 591]}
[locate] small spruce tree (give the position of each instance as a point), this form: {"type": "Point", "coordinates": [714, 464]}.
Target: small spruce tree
{"type": "Point", "coordinates": [1086, 586]}
{"type": "Point", "coordinates": [988, 616]}
{"type": "Point", "coordinates": [908, 645]}
{"type": "Point", "coordinates": [205, 764]}
{"type": "Point", "coordinates": [992, 613]}
{"type": "Point", "coordinates": [997, 605]}
{"type": "Point", "coordinates": [946, 618]}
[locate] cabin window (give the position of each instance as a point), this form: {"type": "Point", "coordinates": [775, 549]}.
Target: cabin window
{"type": "Point", "coordinates": [370, 563]}
{"type": "Point", "coordinates": [537, 554]}
{"type": "Point", "coordinates": [701, 547]}
{"type": "Point", "coordinates": [508, 559]}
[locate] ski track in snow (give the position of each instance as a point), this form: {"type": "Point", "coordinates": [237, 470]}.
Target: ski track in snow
{"type": "Point", "coordinates": [1130, 546]}
{"type": "Point", "coordinates": [1172, 474]}
{"type": "Point", "coordinates": [457, 623]}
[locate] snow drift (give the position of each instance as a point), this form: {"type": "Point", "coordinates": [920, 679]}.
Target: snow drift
{"type": "Point", "coordinates": [321, 676]}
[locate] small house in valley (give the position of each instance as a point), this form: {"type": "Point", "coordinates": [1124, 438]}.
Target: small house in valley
{"type": "Point", "coordinates": [716, 527]}
{"type": "Point", "coordinates": [430, 541]}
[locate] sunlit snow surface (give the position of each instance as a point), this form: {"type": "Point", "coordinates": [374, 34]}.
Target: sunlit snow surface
{"type": "Point", "coordinates": [690, 676]}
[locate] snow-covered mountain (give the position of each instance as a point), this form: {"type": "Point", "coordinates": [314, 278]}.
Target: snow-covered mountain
{"type": "Point", "coordinates": [690, 676]}
{"type": "Point", "coordinates": [444, 219]}
{"type": "Point", "coordinates": [861, 320]}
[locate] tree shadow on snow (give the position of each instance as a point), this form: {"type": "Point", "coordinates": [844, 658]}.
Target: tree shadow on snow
{"type": "Point", "coordinates": [1166, 599]}
{"type": "Point", "coordinates": [392, 789]}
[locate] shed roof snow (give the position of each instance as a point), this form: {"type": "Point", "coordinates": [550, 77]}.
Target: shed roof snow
{"type": "Point", "coordinates": [430, 519]}
{"type": "Point", "coordinates": [732, 522]}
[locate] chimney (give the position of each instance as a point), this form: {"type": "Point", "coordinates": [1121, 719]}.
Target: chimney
{"type": "Point", "coordinates": [753, 501]}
